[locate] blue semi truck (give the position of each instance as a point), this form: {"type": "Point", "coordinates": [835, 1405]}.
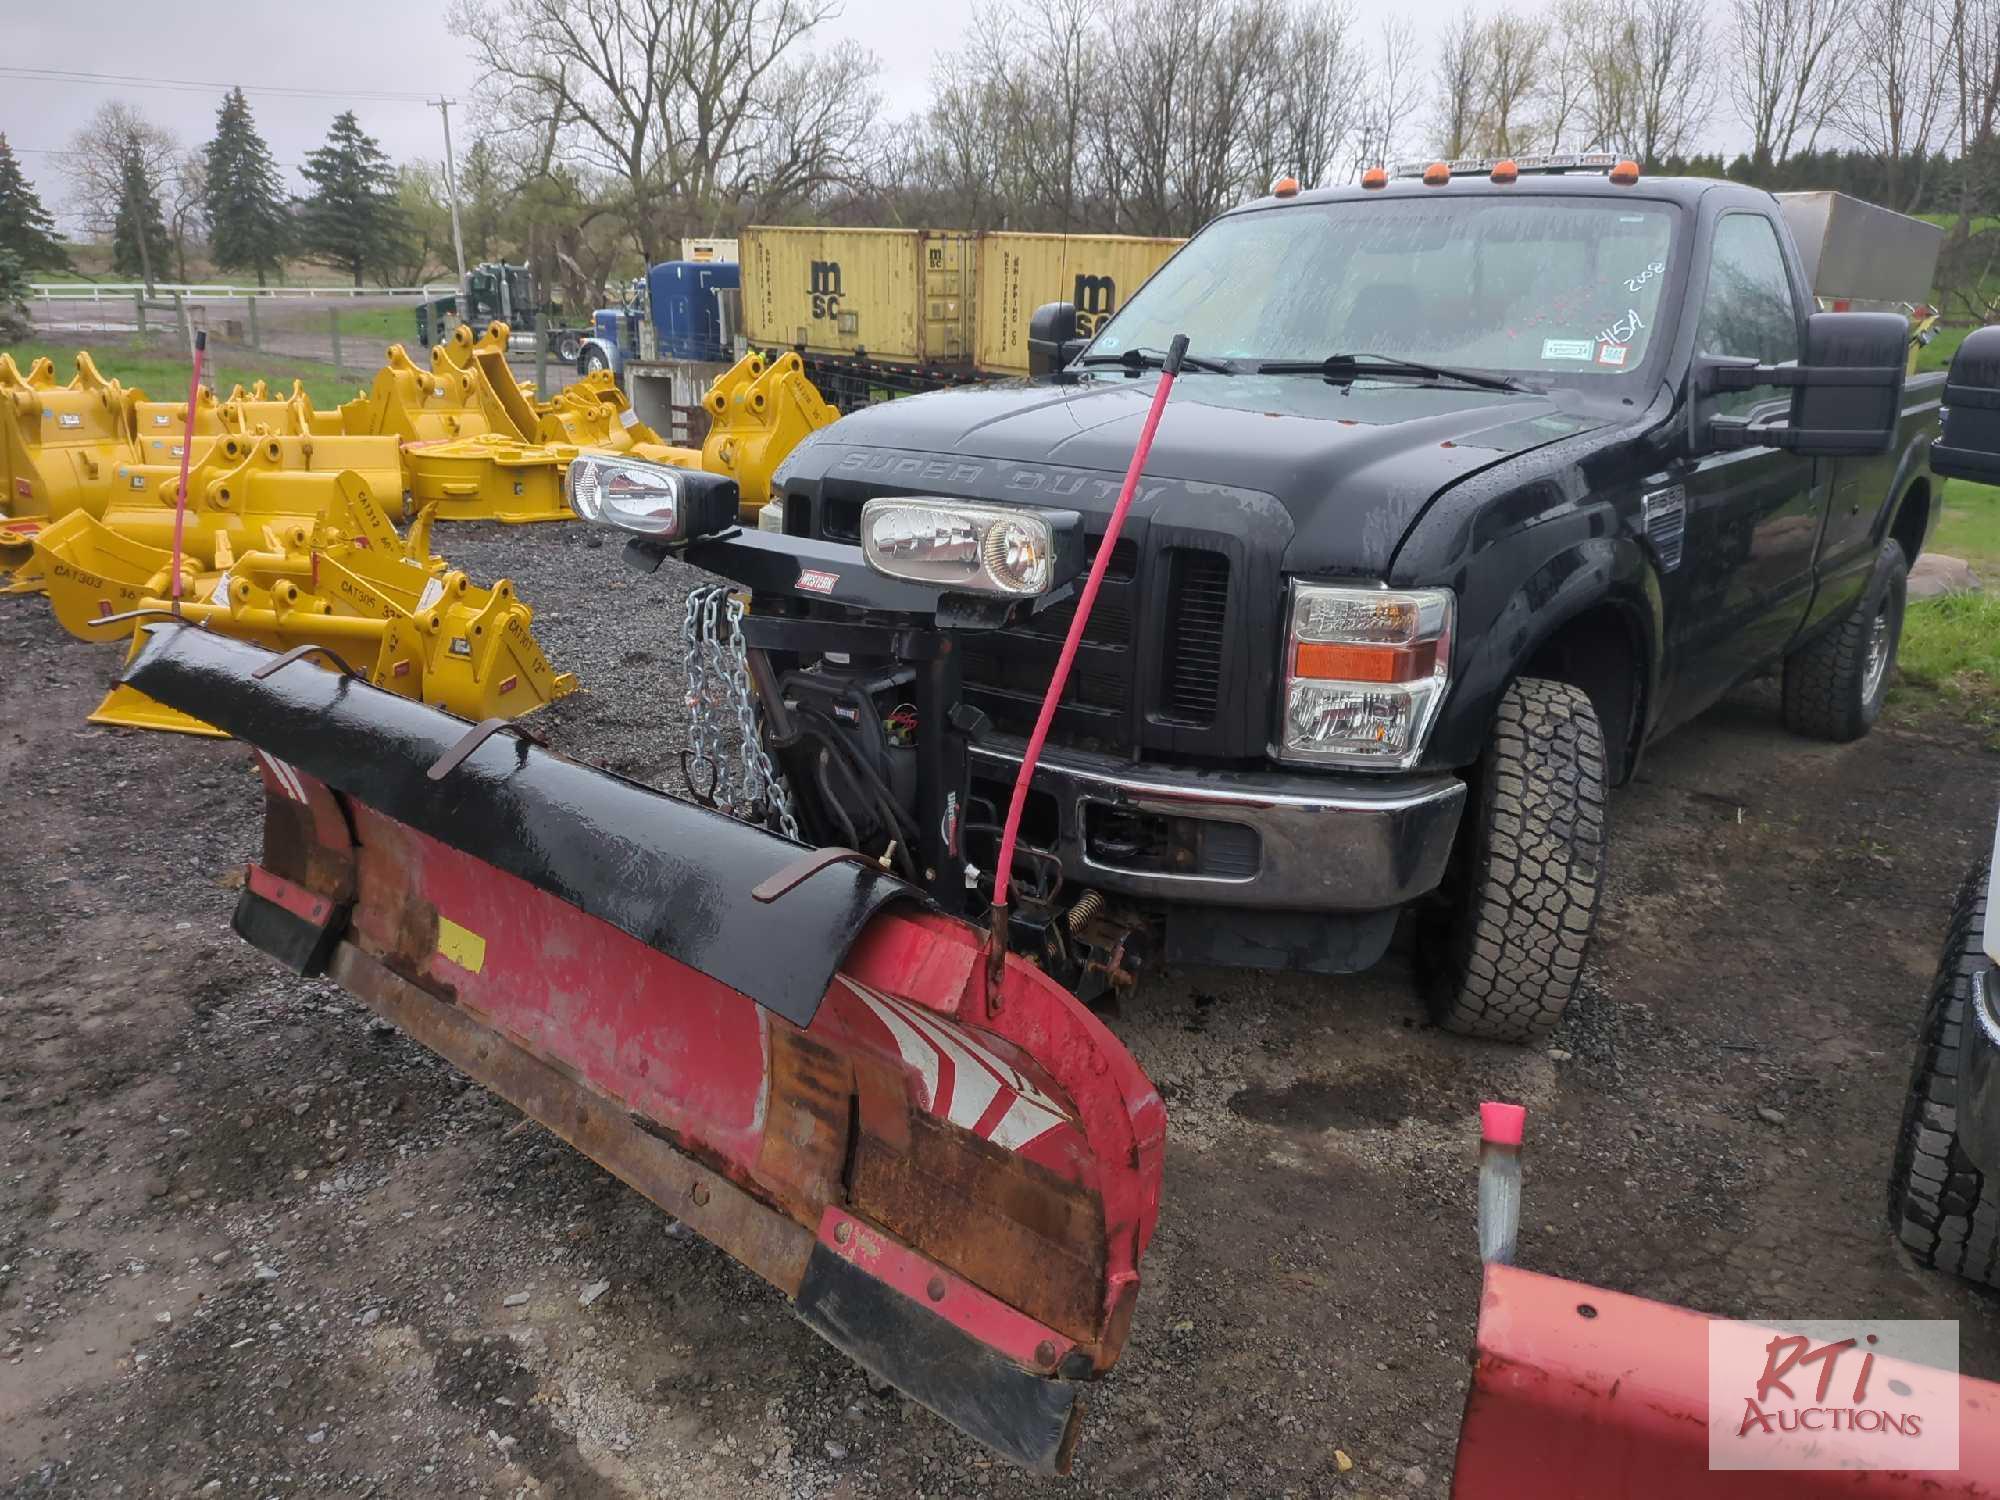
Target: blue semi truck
{"type": "Point", "coordinates": [680, 310]}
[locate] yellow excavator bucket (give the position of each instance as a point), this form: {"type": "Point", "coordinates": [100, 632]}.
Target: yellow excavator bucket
{"type": "Point", "coordinates": [62, 445]}
{"type": "Point", "coordinates": [758, 412]}
{"type": "Point", "coordinates": [414, 405]}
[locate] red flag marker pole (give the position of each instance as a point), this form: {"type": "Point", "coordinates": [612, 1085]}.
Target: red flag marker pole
{"type": "Point", "coordinates": [187, 449]}
{"type": "Point", "coordinates": [996, 953]}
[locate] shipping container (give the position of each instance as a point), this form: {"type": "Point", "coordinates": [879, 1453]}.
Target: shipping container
{"type": "Point", "coordinates": [1020, 272]}
{"type": "Point", "coordinates": [875, 294]}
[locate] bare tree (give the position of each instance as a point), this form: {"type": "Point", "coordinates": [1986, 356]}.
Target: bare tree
{"type": "Point", "coordinates": [1456, 76]}
{"type": "Point", "coordinates": [1514, 50]}
{"type": "Point", "coordinates": [1394, 91]}
{"type": "Point", "coordinates": [118, 155]}
{"type": "Point", "coordinates": [1652, 78]}
{"type": "Point", "coordinates": [694, 109]}
{"type": "Point", "coordinates": [1899, 105]}
{"type": "Point", "coordinates": [1311, 107]}
{"type": "Point", "coordinates": [1794, 61]}
{"type": "Point", "coordinates": [186, 196]}
{"type": "Point", "coordinates": [1563, 93]}
{"type": "Point", "coordinates": [1975, 87]}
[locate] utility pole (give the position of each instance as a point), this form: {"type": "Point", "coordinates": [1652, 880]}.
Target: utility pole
{"type": "Point", "coordinates": [451, 193]}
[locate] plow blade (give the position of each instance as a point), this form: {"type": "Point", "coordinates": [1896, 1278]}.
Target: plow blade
{"type": "Point", "coordinates": [1579, 1392]}
{"type": "Point", "coordinates": [789, 1050]}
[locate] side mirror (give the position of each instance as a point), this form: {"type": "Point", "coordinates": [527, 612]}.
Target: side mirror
{"type": "Point", "coordinates": [1847, 392]}
{"type": "Point", "coordinates": [1968, 446]}
{"type": "Point", "coordinates": [1052, 338]}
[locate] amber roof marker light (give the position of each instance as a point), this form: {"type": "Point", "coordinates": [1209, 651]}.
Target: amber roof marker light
{"type": "Point", "coordinates": [1437, 174]}
{"type": "Point", "coordinates": [1285, 187]}
{"type": "Point", "coordinates": [1505, 172]}
{"type": "Point", "coordinates": [1375, 177]}
{"type": "Point", "coordinates": [1625, 173]}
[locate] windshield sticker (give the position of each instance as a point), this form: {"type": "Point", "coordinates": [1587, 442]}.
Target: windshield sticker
{"type": "Point", "coordinates": [1622, 331]}
{"type": "Point", "coordinates": [1611, 354]}
{"type": "Point", "coordinates": [1633, 283]}
{"type": "Point", "coordinates": [1567, 348]}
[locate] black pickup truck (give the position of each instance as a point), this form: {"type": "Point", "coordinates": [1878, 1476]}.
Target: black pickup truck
{"type": "Point", "coordinates": [1472, 487]}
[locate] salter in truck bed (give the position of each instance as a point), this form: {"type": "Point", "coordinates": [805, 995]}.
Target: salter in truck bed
{"type": "Point", "coordinates": [1476, 483]}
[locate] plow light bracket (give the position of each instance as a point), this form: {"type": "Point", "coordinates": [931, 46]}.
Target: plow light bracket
{"type": "Point", "coordinates": [965, 547]}
{"type": "Point", "coordinates": [651, 500]}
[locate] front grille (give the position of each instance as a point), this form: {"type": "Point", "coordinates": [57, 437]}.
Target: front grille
{"type": "Point", "coordinates": [1191, 672]}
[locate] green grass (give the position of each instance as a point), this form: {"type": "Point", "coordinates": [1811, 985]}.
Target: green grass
{"type": "Point", "coordinates": [1951, 646]}
{"type": "Point", "coordinates": [165, 378]}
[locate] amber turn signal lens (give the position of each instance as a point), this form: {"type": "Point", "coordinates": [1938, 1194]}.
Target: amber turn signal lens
{"type": "Point", "coordinates": [1437, 174]}
{"type": "Point", "coordinates": [1505, 172]}
{"type": "Point", "coordinates": [1285, 187]}
{"type": "Point", "coordinates": [1334, 662]}
{"type": "Point", "coordinates": [1375, 177]}
{"type": "Point", "coordinates": [1625, 173]}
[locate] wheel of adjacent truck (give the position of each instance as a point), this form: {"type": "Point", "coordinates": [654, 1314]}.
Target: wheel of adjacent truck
{"type": "Point", "coordinates": [1940, 1206]}
{"type": "Point", "coordinates": [568, 347]}
{"type": "Point", "coordinates": [591, 360]}
{"type": "Point", "coordinates": [1524, 891]}
{"type": "Point", "coordinates": [1835, 685]}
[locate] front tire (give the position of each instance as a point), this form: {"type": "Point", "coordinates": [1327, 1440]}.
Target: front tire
{"type": "Point", "coordinates": [1835, 686]}
{"type": "Point", "coordinates": [1942, 1209]}
{"type": "Point", "coordinates": [1527, 890]}
{"type": "Point", "coordinates": [591, 361]}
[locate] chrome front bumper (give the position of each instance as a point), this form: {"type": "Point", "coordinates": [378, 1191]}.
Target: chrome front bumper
{"type": "Point", "coordinates": [1300, 841]}
{"type": "Point", "coordinates": [1979, 1073]}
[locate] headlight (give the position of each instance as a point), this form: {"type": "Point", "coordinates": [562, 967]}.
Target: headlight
{"type": "Point", "coordinates": [1365, 673]}
{"type": "Point", "coordinates": [653, 500]}
{"type": "Point", "coordinates": [961, 545]}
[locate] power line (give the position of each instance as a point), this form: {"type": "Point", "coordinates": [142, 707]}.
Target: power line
{"type": "Point", "coordinates": [283, 91]}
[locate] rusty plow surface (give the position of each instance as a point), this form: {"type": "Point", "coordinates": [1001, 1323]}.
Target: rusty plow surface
{"type": "Point", "coordinates": [955, 1193]}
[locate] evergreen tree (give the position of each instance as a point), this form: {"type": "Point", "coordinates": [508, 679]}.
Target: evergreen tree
{"type": "Point", "coordinates": [25, 226]}
{"type": "Point", "coordinates": [482, 196]}
{"type": "Point", "coordinates": [139, 234]}
{"type": "Point", "coordinates": [13, 298]}
{"type": "Point", "coordinates": [244, 198]}
{"type": "Point", "coordinates": [350, 218]}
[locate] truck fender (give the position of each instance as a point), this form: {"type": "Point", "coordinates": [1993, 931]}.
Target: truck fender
{"type": "Point", "coordinates": [1557, 606]}
{"type": "Point", "coordinates": [1911, 468]}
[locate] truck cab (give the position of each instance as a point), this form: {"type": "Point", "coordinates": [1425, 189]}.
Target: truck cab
{"type": "Point", "coordinates": [1478, 480]}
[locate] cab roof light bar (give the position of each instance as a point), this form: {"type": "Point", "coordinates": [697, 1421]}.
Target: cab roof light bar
{"type": "Point", "coordinates": [1550, 163]}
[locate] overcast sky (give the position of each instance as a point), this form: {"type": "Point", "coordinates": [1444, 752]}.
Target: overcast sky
{"type": "Point", "coordinates": [376, 46]}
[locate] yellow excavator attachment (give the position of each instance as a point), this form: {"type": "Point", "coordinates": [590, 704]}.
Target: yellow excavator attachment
{"type": "Point", "coordinates": [758, 412]}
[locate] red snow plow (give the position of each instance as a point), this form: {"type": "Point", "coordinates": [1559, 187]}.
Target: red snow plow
{"type": "Point", "coordinates": [791, 1051]}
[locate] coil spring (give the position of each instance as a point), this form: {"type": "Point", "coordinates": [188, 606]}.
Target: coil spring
{"type": "Point", "coordinates": [1086, 910]}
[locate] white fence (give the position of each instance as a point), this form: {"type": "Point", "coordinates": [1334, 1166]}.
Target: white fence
{"type": "Point", "coordinates": [125, 291]}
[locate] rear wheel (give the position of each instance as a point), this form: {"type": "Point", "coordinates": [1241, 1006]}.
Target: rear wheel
{"type": "Point", "coordinates": [1942, 1208]}
{"type": "Point", "coordinates": [1834, 686]}
{"type": "Point", "coordinates": [1527, 887]}
{"type": "Point", "coordinates": [568, 347]}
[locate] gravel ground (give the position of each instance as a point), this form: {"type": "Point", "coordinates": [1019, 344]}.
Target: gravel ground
{"type": "Point", "coordinates": [254, 1244]}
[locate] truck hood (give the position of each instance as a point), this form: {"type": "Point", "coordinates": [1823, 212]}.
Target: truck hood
{"type": "Point", "coordinates": [1353, 466]}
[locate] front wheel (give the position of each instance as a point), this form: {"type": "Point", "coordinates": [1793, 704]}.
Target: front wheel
{"type": "Point", "coordinates": [1526, 890]}
{"type": "Point", "coordinates": [591, 360]}
{"type": "Point", "coordinates": [1942, 1209]}
{"type": "Point", "coordinates": [1835, 686]}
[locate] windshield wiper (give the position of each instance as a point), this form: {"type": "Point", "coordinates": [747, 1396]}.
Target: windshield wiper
{"type": "Point", "coordinates": [1349, 366]}
{"type": "Point", "coordinates": [1136, 359]}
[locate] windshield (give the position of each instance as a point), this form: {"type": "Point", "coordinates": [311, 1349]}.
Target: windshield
{"type": "Point", "coordinates": [1565, 287]}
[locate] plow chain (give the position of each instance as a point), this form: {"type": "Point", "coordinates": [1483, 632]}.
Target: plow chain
{"type": "Point", "coordinates": [717, 665]}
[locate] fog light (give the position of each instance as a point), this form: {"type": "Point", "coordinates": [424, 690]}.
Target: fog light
{"type": "Point", "coordinates": [983, 549]}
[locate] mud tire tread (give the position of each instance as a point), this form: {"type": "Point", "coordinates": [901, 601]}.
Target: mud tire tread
{"type": "Point", "coordinates": [1516, 943]}
{"type": "Point", "coordinates": [1822, 690]}
{"type": "Point", "coordinates": [1943, 1210]}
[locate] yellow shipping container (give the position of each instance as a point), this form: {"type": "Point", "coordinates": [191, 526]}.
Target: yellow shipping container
{"type": "Point", "coordinates": [892, 294]}
{"type": "Point", "coordinates": [1020, 272]}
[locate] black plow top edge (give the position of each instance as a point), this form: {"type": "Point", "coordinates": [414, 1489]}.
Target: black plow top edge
{"type": "Point", "coordinates": [674, 875]}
